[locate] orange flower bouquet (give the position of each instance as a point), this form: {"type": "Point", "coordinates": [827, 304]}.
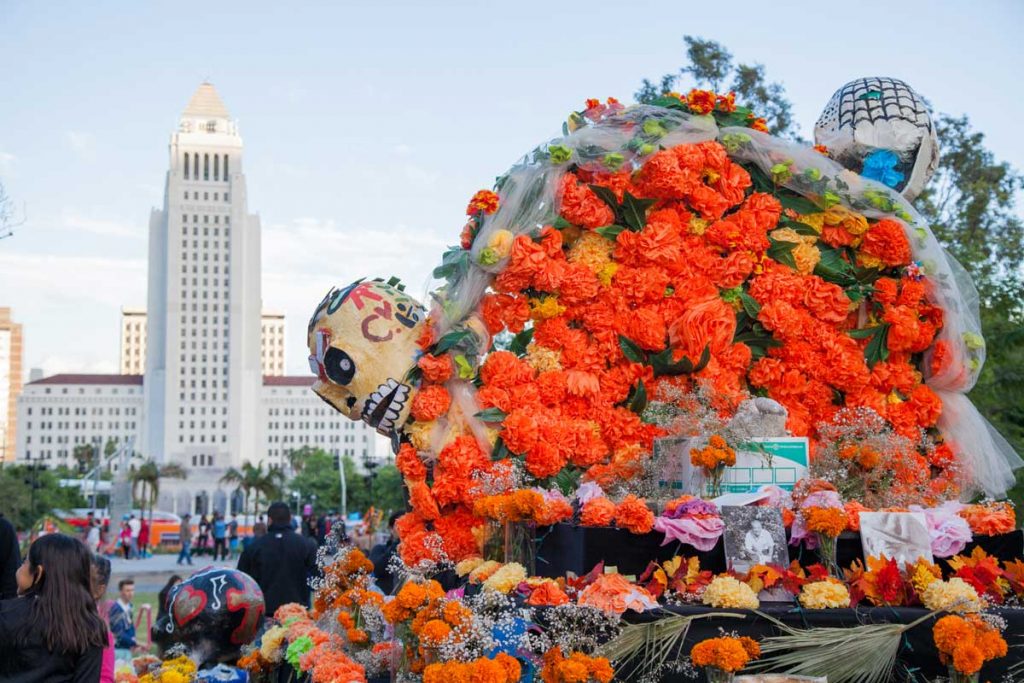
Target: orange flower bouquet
{"type": "Point", "coordinates": [576, 668]}
{"type": "Point", "coordinates": [723, 657]}
{"type": "Point", "coordinates": [713, 459]}
{"type": "Point", "coordinates": [965, 643]}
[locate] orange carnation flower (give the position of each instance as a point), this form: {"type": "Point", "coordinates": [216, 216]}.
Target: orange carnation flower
{"type": "Point", "coordinates": [547, 594]}
{"type": "Point", "coordinates": [485, 201]}
{"type": "Point", "coordinates": [435, 369]}
{"type": "Point", "coordinates": [632, 514]}
{"type": "Point", "coordinates": [701, 101]}
{"type": "Point", "coordinates": [430, 403]}
{"type": "Point", "coordinates": [597, 512]}
{"type": "Point", "coordinates": [886, 240]}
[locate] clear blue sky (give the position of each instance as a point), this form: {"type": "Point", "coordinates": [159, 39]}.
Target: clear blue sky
{"type": "Point", "coordinates": [367, 126]}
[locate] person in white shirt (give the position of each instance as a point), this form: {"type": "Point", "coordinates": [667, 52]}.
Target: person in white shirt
{"type": "Point", "coordinates": [92, 539]}
{"type": "Point", "coordinates": [135, 526]}
{"type": "Point", "coordinates": [759, 543]}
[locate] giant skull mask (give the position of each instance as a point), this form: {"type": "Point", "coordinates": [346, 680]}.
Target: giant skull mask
{"type": "Point", "coordinates": [880, 128]}
{"type": "Point", "coordinates": [362, 344]}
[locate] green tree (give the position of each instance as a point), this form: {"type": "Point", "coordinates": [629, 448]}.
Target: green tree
{"type": "Point", "coordinates": [145, 480]}
{"type": "Point", "coordinates": [319, 477]}
{"type": "Point", "coordinates": [254, 480]}
{"type": "Point", "coordinates": [710, 65]}
{"type": "Point", "coordinates": [16, 492]}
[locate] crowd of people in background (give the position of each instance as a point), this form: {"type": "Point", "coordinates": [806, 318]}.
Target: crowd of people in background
{"type": "Point", "coordinates": [57, 625]}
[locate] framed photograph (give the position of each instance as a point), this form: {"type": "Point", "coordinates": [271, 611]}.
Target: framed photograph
{"type": "Point", "coordinates": [902, 536]}
{"type": "Point", "coordinates": [754, 535]}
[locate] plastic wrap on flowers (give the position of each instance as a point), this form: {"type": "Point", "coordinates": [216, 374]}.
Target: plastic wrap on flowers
{"type": "Point", "coordinates": [651, 252]}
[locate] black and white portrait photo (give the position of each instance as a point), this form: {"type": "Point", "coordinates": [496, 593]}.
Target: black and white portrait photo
{"type": "Point", "coordinates": [902, 536]}
{"type": "Point", "coordinates": [754, 535]}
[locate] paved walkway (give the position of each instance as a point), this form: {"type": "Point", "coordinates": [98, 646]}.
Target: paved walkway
{"type": "Point", "coordinates": [151, 573]}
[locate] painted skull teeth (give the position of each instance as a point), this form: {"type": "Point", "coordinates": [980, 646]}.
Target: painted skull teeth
{"type": "Point", "coordinates": [385, 405]}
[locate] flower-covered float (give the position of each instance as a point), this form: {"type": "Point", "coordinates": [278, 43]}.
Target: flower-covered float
{"type": "Point", "coordinates": [672, 274]}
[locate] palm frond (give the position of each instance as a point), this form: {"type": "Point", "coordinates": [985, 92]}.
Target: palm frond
{"type": "Point", "coordinates": [649, 646]}
{"type": "Point", "coordinates": [857, 654]}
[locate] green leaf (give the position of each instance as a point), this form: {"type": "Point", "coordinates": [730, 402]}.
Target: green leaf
{"type": "Point", "coordinates": [750, 305]}
{"type": "Point", "coordinates": [798, 204]}
{"type": "Point", "coordinates": [561, 224]}
{"type": "Point", "coordinates": [500, 450]}
{"type": "Point", "coordinates": [454, 263]}
{"type": "Point", "coordinates": [863, 333]}
{"type": "Point", "coordinates": [799, 228]}
{"type": "Point", "coordinates": [610, 231]}
{"type": "Point", "coordinates": [631, 351]}
{"type": "Point", "coordinates": [783, 252]}
{"type": "Point", "coordinates": [834, 268]}
{"type": "Point", "coordinates": [705, 358]}
{"type": "Point", "coordinates": [756, 339]}
{"type": "Point", "coordinates": [634, 211]}
{"type": "Point", "coordinates": [567, 480]}
{"type": "Point", "coordinates": [607, 196]}
{"type": "Point", "coordinates": [491, 415]}
{"type": "Point", "coordinates": [637, 401]}
{"type": "Point", "coordinates": [878, 348]}
{"type": "Point", "coordinates": [453, 339]}
{"type": "Point", "coordinates": [520, 342]}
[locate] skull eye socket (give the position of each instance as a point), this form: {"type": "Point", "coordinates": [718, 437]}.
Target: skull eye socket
{"type": "Point", "coordinates": [339, 366]}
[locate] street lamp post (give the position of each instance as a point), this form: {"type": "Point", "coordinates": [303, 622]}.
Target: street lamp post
{"type": "Point", "coordinates": [344, 488]}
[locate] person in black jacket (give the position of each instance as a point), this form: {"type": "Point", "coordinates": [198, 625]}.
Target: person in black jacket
{"type": "Point", "coordinates": [281, 562]}
{"type": "Point", "coordinates": [52, 632]}
{"type": "Point", "coordinates": [381, 554]}
{"type": "Point", "coordinates": [10, 559]}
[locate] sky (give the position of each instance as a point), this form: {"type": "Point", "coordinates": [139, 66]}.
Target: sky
{"type": "Point", "coordinates": [367, 126]}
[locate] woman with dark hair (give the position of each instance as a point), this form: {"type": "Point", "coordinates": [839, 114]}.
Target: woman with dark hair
{"type": "Point", "coordinates": [51, 632]}
{"type": "Point", "coordinates": [100, 579]}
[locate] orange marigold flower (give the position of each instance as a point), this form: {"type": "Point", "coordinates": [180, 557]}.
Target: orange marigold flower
{"type": "Point", "coordinates": [434, 632]}
{"type": "Point", "coordinates": [430, 403]}
{"type": "Point", "coordinates": [967, 658]}
{"type": "Point", "coordinates": [504, 370]}
{"type": "Point", "coordinates": [597, 512]}
{"type": "Point", "coordinates": [485, 201]}
{"type": "Point", "coordinates": [701, 101]}
{"type": "Point", "coordinates": [409, 463]}
{"type": "Point", "coordinates": [547, 594]}
{"type": "Point", "coordinates": [632, 514]}
{"type": "Point", "coordinates": [727, 654]}
{"type": "Point", "coordinates": [580, 206]}
{"type": "Point", "coordinates": [423, 502]}
{"type": "Point", "coordinates": [826, 521]}
{"type": "Point", "coordinates": [726, 103]}
{"type": "Point", "coordinates": [887, 241]}
{"type": "Point", "coordinates": [435, 369]}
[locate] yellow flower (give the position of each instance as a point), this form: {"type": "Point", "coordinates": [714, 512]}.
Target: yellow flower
{"type": "Point", "coordinates": [419, 434]}
{"type": "Point", "coordinates": [815, 220]}
{"type": "Point", "coordinates": [824, 595]}
{"type": "Point", "coordinates": [922, 574]}
{"type": "Point", "coordinates": [468, 565]}
{"type": "Point", "coordinates": [543, 359]}
{"type": "Point", "coordinates": [501, 243]}
{"type": "Point", "coordinates": [270, 648]}
{"type": "Point", "coordinates": [546, 307]}
{"type": "Point", "coordinates": [506, 578]}
{"type": "Point", "coordinates": [592, 250]}
{"type": "Point", "coordinates": [483, 571]}
{"type": "Point", "coordinates": [955, 595]}
{"type": "Point", "coordinates": [697, 226]}
{"type": "Point", "coordinates": [726, 591]}
{"type": "Point", "coordinates": [806, 256]}
{"type": "Point", "coordinates": [605, 275]}
{"type": "Point", "coordinates": [851, 221]}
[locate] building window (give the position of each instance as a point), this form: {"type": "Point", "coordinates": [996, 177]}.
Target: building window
{"type": "Point", "coordinates": [186, 165]}
{"type": "Point", "coordinates": [206, 167]}
{"type": "Point", "coordinates": [225, 172]}
{"type": "Point", "coordinates": [216, 167]}
{"type": "Point", "coordinates": [195, 168]}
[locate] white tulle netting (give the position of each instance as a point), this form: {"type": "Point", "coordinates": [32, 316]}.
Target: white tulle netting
{"type": "Point", "coordinates": [528, 202]}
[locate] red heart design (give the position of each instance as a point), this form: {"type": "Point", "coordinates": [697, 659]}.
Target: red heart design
{"type": "Point", "coordinates": [188, 603]}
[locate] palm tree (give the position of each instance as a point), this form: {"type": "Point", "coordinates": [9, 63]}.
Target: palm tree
{"type": "Point", "coordinates": [254, 479]}
{"type": "Point", "coordinates": [147, 477]}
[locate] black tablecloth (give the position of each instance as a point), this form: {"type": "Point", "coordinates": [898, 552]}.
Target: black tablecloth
{"type": "Point", "coordinates": [569, 548]}
{"type": "Point", "coordinates": [918, 660]}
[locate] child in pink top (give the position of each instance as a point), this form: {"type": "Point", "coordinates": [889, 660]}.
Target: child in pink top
{"type": "Point", "coordinates": [100, 579]}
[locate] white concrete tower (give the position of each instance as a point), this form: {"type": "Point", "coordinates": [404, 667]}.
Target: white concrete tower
{"type": "Point", "coordinates": [203, 378]}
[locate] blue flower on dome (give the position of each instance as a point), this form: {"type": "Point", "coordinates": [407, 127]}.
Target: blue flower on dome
{"type": "Point", "coordinates": [880, 165]}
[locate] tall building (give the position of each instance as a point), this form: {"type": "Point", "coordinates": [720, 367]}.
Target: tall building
{"type": "Point", "coordinates": [133, 342]}
{"type": "Point", "coordinates": [203, 312]}
{"type": "Point", "coordinates": [10, 383]}
{"type": "Point", "coordinates": [272, 344]}
{"type": "Point", "coordinates": [202, 401]}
